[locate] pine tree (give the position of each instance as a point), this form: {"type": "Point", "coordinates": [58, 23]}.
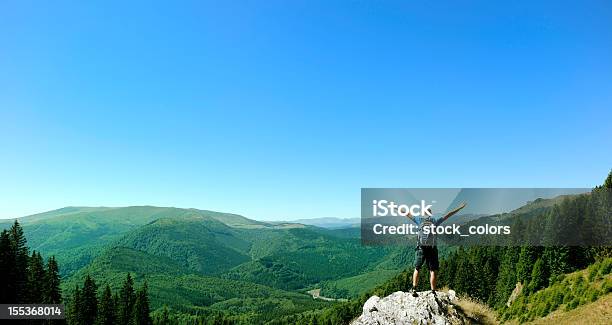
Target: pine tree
{"type": "Point", "coordinates": [489, 280]}
{"type": "Point", "coordinates": [107, 311]}
{"type": "Point", "coordinates": [164, 318]}
{"type": "Point", "coordinates": [465, 281]}
{"type": "Point", "coordinates": [20, 250]}
{"type": "Point", "coordinates": [539, 276]}
{"type": "Point", "coordinates": [73, 315]}
{"type": "Point", "coordinates": [89, 301]}
{"type": "Point", "coordinates": [52, 292]}
{"type": "Point", "coordinates": [526, 260]}
{"type": "Point", "coordinates": [126, 302]}
{"type": "Point", "coordinates": [608, 182]}
{"type": "Point", "coordinates": [141, 307]}
{"type": "Point", "coordinates": [506, 280]}
{"type": "Point", "coordinates": [8, 292]}
{"type": "Point", "coordinates": [36, 279]}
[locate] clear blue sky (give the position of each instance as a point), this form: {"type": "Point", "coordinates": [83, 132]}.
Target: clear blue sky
{"type": "Point", "coordinates": [285, 109]}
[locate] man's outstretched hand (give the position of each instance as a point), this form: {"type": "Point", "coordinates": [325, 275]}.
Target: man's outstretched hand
{"type": "Point", "coordinates": [457, 209]}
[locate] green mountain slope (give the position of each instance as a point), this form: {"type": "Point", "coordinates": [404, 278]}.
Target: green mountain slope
{"type": "Point", "coordinates": [301, 257]}
{"type": "Point", "coordinates": [76, 235]}
{"type": "Point", "coordinates": [171, 285]}
{"type": "Point", "coordinates": [197, 243]}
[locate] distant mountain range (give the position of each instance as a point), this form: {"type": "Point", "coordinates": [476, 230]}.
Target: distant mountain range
{"type": "Point", "coordinates": [330, 222]}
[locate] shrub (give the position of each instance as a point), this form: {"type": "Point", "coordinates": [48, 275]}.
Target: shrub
{"type": "Point", "coordinates": [573, 304]}
{"type": "Point", "coordinates": [593, 270]}
{"type": "Point", "coordinates": [606, 267]}
{"type": "Point", "coordinates": [557, 279]}
{"type": "Point", "coordinates": [593, 295]}
{"type": "Point", "coordinates": [544, 309]}
{"type": "Point", "coordinates": [607, 286]}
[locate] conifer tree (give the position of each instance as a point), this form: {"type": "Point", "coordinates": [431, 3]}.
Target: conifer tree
{"type": "Point", "coordinates": [608, 182]}
{"type": "Point", "coordinates": [141, 307]}
{"type": "Point", "coordinates": [465, 281]}
{"type": "Point", "coordinates": [20, 250]}
{"type": "Point", "coordinates": [107, 311]}
{"type": "Point", "coordinates": [526, 260]}
{"type": "Point", "coordinates": [52, 291]}
{"type": "Point", "coordinates": [126, 302]}
{"type": "Point", "coordinates": [36, 279]}
{"type": "Point", "coordinates": [89, 301]}
{"type": "Point", "coordinates": [506, 280]}
{"type": "Point", "coordinates": [73, 315]}
{"type": "Point", "coordinates": [539, 276]}
{"type": "Point", "coordinates": [8, 292]}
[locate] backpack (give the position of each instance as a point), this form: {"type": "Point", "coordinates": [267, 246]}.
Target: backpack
{"type": "Point", "coordinates": [426, 239]}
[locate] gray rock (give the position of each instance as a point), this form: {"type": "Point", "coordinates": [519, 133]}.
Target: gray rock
{"type": "Point", "coordinates": [402, 308]}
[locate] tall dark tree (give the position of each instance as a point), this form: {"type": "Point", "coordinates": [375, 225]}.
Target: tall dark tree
{"type": "Point", "coordinates": [127, 298]}
{"type": "Point", "coordinates": [8, 293]}
{"type": "Point", "coordinates": [107, 311]}
{"type": "Point", "coordinates": [608, 182]}
{"type": "Point", "coordinates": [527, 259]}
{"type": "Point", "coordinates": [20, 250]}
{"type": "Point", "coordinates": [52, 291]}
{"type": "Point", "coordinates": [506, 280]}
{"type": "Point", "coordinates": [141, 307]}
{"type": "Point", "coordinates": [73, 315]}
{"type": "Point", "coordinates": [36, 279]}
{"type": "Point", "coordinates": [465, 281]}
{"type": "Point", "coordinates": [539, 276]}
{"type": "Point", "coordinates": [89, 301]}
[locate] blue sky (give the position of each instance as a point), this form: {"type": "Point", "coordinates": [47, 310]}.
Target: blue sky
{"type": "Point", "coordinates": [285, 109]}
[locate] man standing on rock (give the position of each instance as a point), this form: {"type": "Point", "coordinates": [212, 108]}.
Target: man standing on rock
{"type": "Point", "coordinates": [426, 250]}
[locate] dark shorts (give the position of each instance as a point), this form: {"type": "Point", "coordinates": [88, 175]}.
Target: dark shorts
{"type": "Point", "coordinates": [427, 254]}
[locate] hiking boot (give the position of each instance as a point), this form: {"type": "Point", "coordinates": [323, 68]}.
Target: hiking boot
{"type": "Point", "coordinates": [413, 292]}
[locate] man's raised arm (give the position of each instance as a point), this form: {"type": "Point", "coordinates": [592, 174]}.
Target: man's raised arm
{"type": "Point", "coordinates": [451, 213]}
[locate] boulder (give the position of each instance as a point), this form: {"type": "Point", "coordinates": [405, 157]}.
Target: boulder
{"type": "Point", "coordinates": [402, 308]}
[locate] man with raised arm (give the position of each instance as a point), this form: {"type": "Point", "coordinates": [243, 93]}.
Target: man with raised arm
{"type": "Point", "coordinates": [426, 250]}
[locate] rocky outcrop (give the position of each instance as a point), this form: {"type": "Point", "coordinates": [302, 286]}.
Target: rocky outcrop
{"type": "Point", "coordinates": [515, 293]}
{"type": "Point", "coordinates": [402, 308]}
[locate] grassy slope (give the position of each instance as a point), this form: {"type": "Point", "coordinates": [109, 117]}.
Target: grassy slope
{"type": "Point", "coordinates": [566, 293]}
{"type": "Point", "coordinates": [598, 312]}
